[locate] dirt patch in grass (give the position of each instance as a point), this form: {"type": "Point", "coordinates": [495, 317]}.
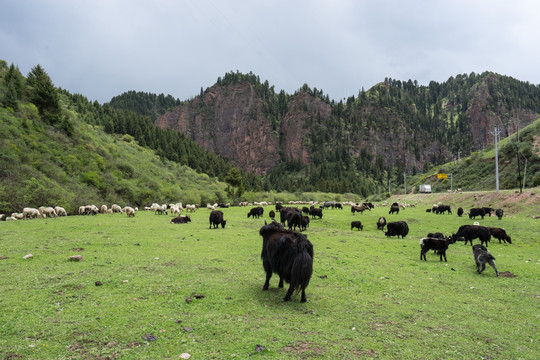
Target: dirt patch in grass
{"type": "Point", "coordinates": [507, 274]}
{"type": "Point", "coordinates": [12, 356]}
{"type": "Point", "coordinates": [303, 348]}
{"type": "Point", "coordinates": [360, 354]}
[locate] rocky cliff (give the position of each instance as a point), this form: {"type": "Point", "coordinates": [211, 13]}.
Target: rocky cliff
{"type": "Point", "coordinates": [394, 123]}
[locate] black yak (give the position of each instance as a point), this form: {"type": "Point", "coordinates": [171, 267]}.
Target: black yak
{"type": "Point", "coordinates": [437, 244]}
{"type": "Point", "coordinates": [397, 228]}
{"type": "Point", "coordinates": [470, 232]}
{"type": "Point", "coordinates": [477, 212]}
{"type": "Point", "coordinates": [180, 219]}
{"type": "Point", "coordinates": [216, 218]}
{"type": "Point", "coordinates": [394, 208]}
{"type": "Point", "coordinates": [256, 212]}
{"type": "Point", "coordinates": [499, 213]}
{"type": "Point", "coordinates": [315, 212]}
{"type": "Point", "coordinates": [304, 223]}
{"type": "Point", "coordinates": [288, 254]}
{"type": "Point", "coordinates": [357, 224]}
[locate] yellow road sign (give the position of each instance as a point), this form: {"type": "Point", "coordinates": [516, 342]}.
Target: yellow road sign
{"type": "Point", "coordinates": [442, 176]}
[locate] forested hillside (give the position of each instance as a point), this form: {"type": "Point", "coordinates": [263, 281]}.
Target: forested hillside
{"type": "Point", "coordinates": [58, 148]}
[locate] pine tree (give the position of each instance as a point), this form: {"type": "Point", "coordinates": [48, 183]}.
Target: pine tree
{"type": "Point", "coordinates": [43, 94]}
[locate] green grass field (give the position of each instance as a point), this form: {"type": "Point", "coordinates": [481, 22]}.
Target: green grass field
{"type": "Point", "coordinates": [369, 297]}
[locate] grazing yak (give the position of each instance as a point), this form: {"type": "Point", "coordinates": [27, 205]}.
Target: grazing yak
{"type": "Point", "coordinates": [294, 220]}
{"type": "Point", "coordinates": [288, 254]}
{"type": "Point", "coordinates": [500, 234]}
{"type": "Point", "coordinates": [394, 208]}
{"type": "Point", "coordinates": [304, 223]}
{"type": "Point", "coordinates": [477, 212]}
{"type": "Point", "coordinates": [180, 219]}
{"type": "Point", "coordinates": [441, 209]}
{"type": "Point", "coordinates": [255, 212]}
{"type": "Point", "coordinates": [381, 223]}
{"type": "Point", "coordinates": [459, 211]}
{"type": "Point", "coordinates": [440, 245]}
{"type": "Point", "coordinates": [499, 213]}
{"type": "Point", "coordinates": [357, 224]}
{"type": "Point", "coordinates": [483, 256]}
{"type": "Point", "coordinates": [272, 214]}
{"type": "Point", "coordinates": [359, 208]}
{"type": "Point", "coordinates": [470, 232]}
{"type": "Point", "coordinates": [488, 210]}
{"type": "Point", "coordinates": [397, 228]}
{"type": "Point", "coordinates": [216, 218]}
{"type": "Point", "coordinates": [284, 211]}
{"type": "Point", "coordinates": [315, 212]}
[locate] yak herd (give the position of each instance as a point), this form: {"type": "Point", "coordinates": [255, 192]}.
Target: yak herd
{"type": "Point", "coordinates": [288, 253]}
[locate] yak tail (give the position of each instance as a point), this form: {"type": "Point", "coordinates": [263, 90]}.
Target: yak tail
{"type": "Point", "coordinates": [301, 271]}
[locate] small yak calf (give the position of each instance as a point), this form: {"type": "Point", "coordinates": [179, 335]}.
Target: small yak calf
{"type": "Point", "coordinates": [431, 243]}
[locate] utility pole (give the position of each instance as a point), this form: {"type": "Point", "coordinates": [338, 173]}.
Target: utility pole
{"type": "Point", "coordinates": [405, 182]}
{"type": "Point", "coordinates": [451, 181]}
{"type": "Point", "coordinates": [389, 192]}
{"type": "Point", "coordinates": [496, 134]}
{"type": "Point", "coordinates": [525, 173]}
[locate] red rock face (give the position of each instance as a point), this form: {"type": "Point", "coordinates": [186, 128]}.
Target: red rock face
{"type": "Point", "coordinates": [294, 130]}
{"type": "Point", "coordinates": [229, 121]}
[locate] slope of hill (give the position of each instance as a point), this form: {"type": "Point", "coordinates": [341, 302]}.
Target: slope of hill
{"type": "Point", "coordinates": [519, 162]}
{"type": "Point", "coordinates": [52, 155]}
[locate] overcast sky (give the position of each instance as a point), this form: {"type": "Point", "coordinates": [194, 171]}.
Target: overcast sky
{"type": "Point", "coordinates": [103, 48]}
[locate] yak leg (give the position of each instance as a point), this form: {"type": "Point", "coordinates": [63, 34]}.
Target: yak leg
{"type": "Point", "coordinates": [303, 295]}
{"type": "Point", "coordinates": [267, 282]}
{"type": "Point", "coordinates": [280, 282]}
{"type": "Point", "coordinates": [268, 269]}
{"type": "Point", "coordinates": [289, 293]}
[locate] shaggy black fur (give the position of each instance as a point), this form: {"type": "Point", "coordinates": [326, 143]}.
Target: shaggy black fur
{"type": "Point", "coordinates": [288, 254]}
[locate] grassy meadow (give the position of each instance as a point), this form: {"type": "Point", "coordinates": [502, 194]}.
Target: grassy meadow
{"type": "Point", "coordinates": [172, 289]}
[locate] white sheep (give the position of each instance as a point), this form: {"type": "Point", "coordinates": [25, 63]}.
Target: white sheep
{"type": "Point", "coordinates": [175, 210]}
{"type": "Point", "coordinates": [47, 211]}
{"type": "Point", "coordinates": [129, 211]}
{"type": "Point", "coordinates": [81, 210]}
{"type": "Point", "coordinates": [60, 211]}
{"type": "Point", "coordinates": [91, 210]}
{"type": "Point", "coordinates": [103, 209]}
{"type": "Point", "coordinates": [17, 216]}
{"type": "Point", "coordinates": [116, 208]}
{"type": "Point", "coordinates": [191, 207]}
{"type": "Point", "coordinates": [31, 213]}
